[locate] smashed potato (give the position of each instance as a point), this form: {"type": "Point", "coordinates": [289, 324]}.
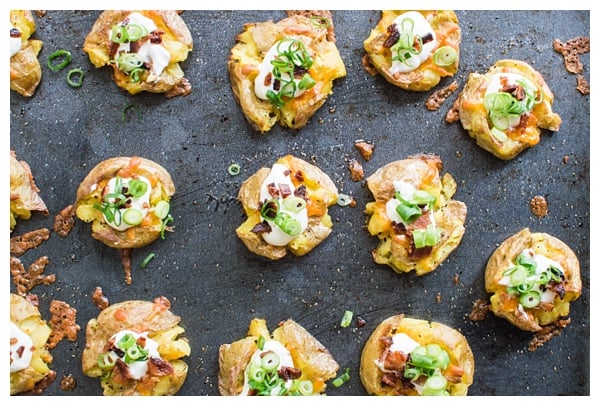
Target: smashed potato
{"type": "Point", "coordinates": [287, 208]}
{"type": "Point", "coordinates": [24, 194]}
{"type": "Point", "coordinates": [414, 50]}
{"type": "Point", "coordinates": [25, 70]}
{"type": "Point", "coordinates": [290, 353]}
{"type": "Point", "coordinates": [532, 277]}
{"type": "Point", "coordinates": [407, 356]}
{"type": "Point", "coordinates": [135, 348]}
{"type": "Point", "coordinates": [144, 48]}
{"type": "Point", "coordinates": [265, 91]}
{"type": "Point", "coordinates": [29, 355]}
{"type": "Point", "coordinates": [505, 109]}
{"type": "Point", "coordinates": [417, 222]}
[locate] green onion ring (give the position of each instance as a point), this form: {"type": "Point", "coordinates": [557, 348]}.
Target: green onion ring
{"type": "Point", "coordinates": [347, 318]}
{"type": "Point", "coordinates": [147, 260]}
{"type": "Point", "coordinates": [234, 169]}
{"type": "Point", "coordinates": [78, 73]}
{"type": "Point", "coordinates": [445, 56]}
{"type": "Point", "coordinates": [130, 106]}
{"type": "Point", "coordinates": [344, 200]}
{"type": "Point", "coordinates": [61, 53]}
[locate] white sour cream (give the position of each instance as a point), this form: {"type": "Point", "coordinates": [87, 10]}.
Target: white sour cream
{"type": "Point", "coordinates": [400, 343]}
{"type": "Point", "coordinates": [421, 28]}
{"type": "Point", "coordinates": [138, 369]}
{"type": "Point", "coordinates": [20, 351]}
{"type": "Point", "coordinates": [285, 360]}
{"type": "Point", "coordinates": [15, 44]}
{"type": "Point", "coordinates": [141, 203]}
{"type": "Point", "coordinates": [280, 175]}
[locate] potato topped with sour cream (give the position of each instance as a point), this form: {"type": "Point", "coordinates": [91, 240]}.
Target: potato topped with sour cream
{"type": "Point", "coordinates": [25, 69]}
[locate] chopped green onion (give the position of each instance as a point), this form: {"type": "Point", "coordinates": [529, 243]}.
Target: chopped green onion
{"type": "Point", "coordinates": [135, 32]}
{"type": "Point", "coordinates": [134, 75]}
{"type": "Point", "coordinates": [288, 224]}
{"type": "Point", "coordinates": [530, 299]}
{"type": "Point", "coordinates": [435, 385]}
{"type": "Point", "coordinates": [270, 209]}
{"type": "Point", "coordinates": [428, 237]}
{"type": "Point", "coordinates": [270, 361]}
{"type": "Point", "coordinates": [129, 106]}
{"type": "Point", "coordinates": [147, 260]}
{"type": "Point", "coordinates": [445, 56]}
{"type": "Point", "coordinates": [347, 318]}
{"type": "Point", "coordinates": [260, 342]}
{"type": "Point", "coordinates": [234, 169]}
{"type": "Point", "coordinates": [306, 82]}
{"type": "Point", "coordinates": [75, 77]}
{"type": "Point", "coordinates": [133, 216]}
{"type": "Point", "coordinates": [343, 378]}
{"type": "Point", "coordinates": [162, 208]}
{"type": "Point", "coordinates": [344, 200]}
{"type": "Point", "coordinates": [107, 360]}
{"type": "Point", "coordinates": [127, 62]}
{"type": "Point", "coordinates": [137, 188]}
{"type": "Point", "coordinates": [294, 204]}
{"type": "Point", "coordinates": [61, 55]}
{"type": "Point", "coordinates": [134, 352]}
{"type": "Point", "coordinates": [499, 134]}
{"type": "Point", "coordinates": [164, 226]}
{"type": "Point", "coordinates": [408, 212]}
{"type": "Point", "coordinates": [126, 341]}
{"type": "Point", "coordinates": [305, 388]}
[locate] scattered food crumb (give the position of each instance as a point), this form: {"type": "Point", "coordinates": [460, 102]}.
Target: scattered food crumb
{"type": "Point", "coordinates": [99, 299]}
{"type": "Point", "coordinates": [25, 280]}
{"type": "Point", "coordinates": [68, 383]}
{"type": "Point", "coordinates": [480, 310]}
{"type": "Point", "coordinates": [63, 323]}
{"type": "Point", "coordinates": [64, 221]}
{"type": "Point", "coordinates": [547, 333]}
{"type": "Point", "coordinates": [365, 148]}
{"type": "Point", "coordinates": [360, 322]}
{"type": "Point", "coordinates": [356, 170]}
{"type": "Point", "coordinates": [437, 98]}
{"type": "Point", "coordinates": [19, 245]}
{"type": "Point", "coordinates": [453, 115]}
{"type": "Point", "coordinates": [571, 50]}
{"type": "Point", "coordinates": [539, 206]}
{"type": "Point", "coordinates": [583, 85]}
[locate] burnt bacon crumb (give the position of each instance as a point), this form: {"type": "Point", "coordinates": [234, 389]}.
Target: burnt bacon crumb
{"type": "Point", "coordinates": [262, 227]}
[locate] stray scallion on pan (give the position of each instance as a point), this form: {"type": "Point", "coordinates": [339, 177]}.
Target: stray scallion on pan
{"type": "Point", "coordinates": [347, 319]}
{"type": "Point", "coordinates": [147, 260]}
{"type": "Point", "coordinates": [75, 77]}
{"type": "Point", "coordinates": [234, 169]}
{"type": "Point", "coordinates": [342, 379]}
{"type": "Point", "coordinates": [58, 60]}
{"type": "Point", "coordinates": [344, 200]}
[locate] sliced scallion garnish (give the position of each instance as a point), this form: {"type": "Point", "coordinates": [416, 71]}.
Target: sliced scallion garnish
{"type": "Point", "coordinates": [58, 60]}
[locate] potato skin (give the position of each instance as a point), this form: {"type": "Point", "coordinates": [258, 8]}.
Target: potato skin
{"type": "Point", "coordinates": [25, 69]}
{"type": "Point", "coordinates": [139, 316]}
{"type": "Point", "coordinates": [394, 250]}
{"type": "Point", "coordinates": [428, 74]}
{"type": "Point", "coordinates": [322, 193]}
{"type": "Point", "coordinates": [423, 332]}
{"type": "Point", "coordinates": [248, 52]}
{"type": "Point", "coordinates": [177, 39]}
{"type": "Point", "coordinates": [24, 194]}
{"type": "Point", "coordinates": [309, 355]}
{"type": "Point", "coordinates": [506, 307]}
{"type": "Point", "coordinates": [89, 192]}
{"type": "Point", "coordinates": [474, 116]}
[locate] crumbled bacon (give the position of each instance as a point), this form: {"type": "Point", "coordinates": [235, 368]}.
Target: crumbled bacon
{"type": "Point", "coordinates": [356, 170]}
{"type": "Point", "coordinates": [262, 227]}
{"type": "Point", "coordinates": [159, 367]}
{"type": "Point", "coordinates": [393, 36]}
{"type": "Point", "coordinates": [435, 100]}
{"type": "Point", "coordinates": [288, 373]}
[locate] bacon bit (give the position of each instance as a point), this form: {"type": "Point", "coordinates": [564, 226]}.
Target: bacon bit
{"type": "Point", "coordinates": [582, 85]}
{"type": "Point", "coordinates": [356, 170]}
{"type": "Point", "coordinates": [454, 374]}
{"type": "Point", "coordinates": [360, 322]}
{"type": "Point", "coordinates": [41, 385]}
{"type": "Point", "coordinates": [565, 159]}
{"type": "Point", "coordinates": [183, 88]}
{"type": "Point", "coordinates": [161, 304]}
{"type": "Point", "coordinates": [19, 245]}
{"type": "Point", "coordinates": [27, 280]}
{"type": "Point", "coordinates": [368, 65]}
{"type": "Point", "coordinates": [262, 227]}
{"type": "Point", "coordinates": [68, 383]}
{"type": "Point", "coordinates": [547, 333]}
{"type": "Point", "coordinates": [63, 323]}
{"type": "Point", "coordinates": [365, 148]}
{"type": "Point", "coordinates": [393, 36]}
{"type": "Point", "coordinates": [456, 279]}
{"type": "Point", "coordinates": [453, 114]}
{"type": "Point", "coordinates": [299, 176]}
{"type": "Point", "coordinates": [287, 373]}
{"type": "Point", "coordinates": [436, 99]}
{"type": "Point", "coordinates": [120, 373]}
{"type": "Point", "coordinates": [120, 314]}
{"type": "Point", "coordinates": [64, 221]}
{"type": "Point", "coordinates": [438, 298]}
{"type": "Point", "coordinates": [479, 310]}
{"type": "Point", "coordinates": [99, 299]}
{"type": "Point", "coordinates": [159, 367]}
{"type": "Point", "coordinates": [126, 260]}
{"type": "Point", "coordinates": [538, 206]}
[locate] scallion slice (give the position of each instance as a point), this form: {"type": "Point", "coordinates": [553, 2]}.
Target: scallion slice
{"type": "Point", "coordinates": [162, 208]}
{"type": "Point", "coordinates": [530, 299]}
{"type": "Point", "coordinates": [133, 216]}
{"type": "Point", "coordinates": [234, 169]}
{"type": "Point", "coordinates": [75, 77]}
{"type": "Point", "coordinates": [408, 212]}
{"type": "Point", "coordinates": [270, 361]}
{"type": "Point", "coordinates": [294, 204]}
{"type": "Point", "coordinates": [147, 260]}
{"type": "Point", "coordinates": [347, 318]}
{"type": "Point", "coordinates": [445, 56]}
{"type": "Point", "coordinates": [63, 58]}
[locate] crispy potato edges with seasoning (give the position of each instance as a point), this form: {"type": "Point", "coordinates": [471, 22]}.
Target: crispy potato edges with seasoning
{"type": "Point", "coordinates": [417, 222]}
{"type": "Point", "coordinates": [407, 356]}
{"type": "Point", "coordinates": [144, 47]}
{"type": "Point", "coordinates": [293, 195]}
{"type": "Point", "coordinates": [24, 194]}
{"type": "Point", "coordinates": [135, 348]}
{"type": "Point", "coordinates": [25, 70]}
{"type": "Point", "coordinates": [505, 109]}
{"type": "Point", "coordinates": [404, 46]}
{"type": "Point", "coordinates": [532, 277]}
{"type": "Point", "coordinates": [301, 44]}
{"type": "Point", "coordinates": [29, 355]}
{"type": "Point", "coordinates": [290, 353]}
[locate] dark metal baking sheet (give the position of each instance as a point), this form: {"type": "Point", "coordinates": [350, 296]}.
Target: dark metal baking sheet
{"type": "Point", "coordinates": [217, 286]}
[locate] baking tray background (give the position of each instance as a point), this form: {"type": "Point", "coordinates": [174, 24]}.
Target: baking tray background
{"type": "Point", "coordinates": [217, 286]}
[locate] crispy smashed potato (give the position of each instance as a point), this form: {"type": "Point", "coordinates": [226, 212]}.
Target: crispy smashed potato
{"type": "Point", "coordinates": [24, 194]}
{"type": "Point", "coordinates": [415, 76]}
{"type": "Point", "coordinates": [521, 130]}
{"type": "Point", "coordinates": [166, 370]}
{"type": "Point", "coordinates": [26, 319]}
{"type": "Point", "coordinates": [25, 70]}
{"type": "Point", "coordinates": [313, 186]}
{"type": "Point", "coordinates": [251, 49]}
{"type": "Point", "coordinates": [458, 373]}
{"type": "Point", "coordinates": [443, 216]}
{"type": "Point", "coordinates": [546, 301]}
{"type": "Point", "coordinates": [147, 62]}
{"type": "Point", "coordinates": [310, 358]}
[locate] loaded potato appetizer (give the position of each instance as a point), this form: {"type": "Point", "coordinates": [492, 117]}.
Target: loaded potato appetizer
{"type": "Point", "coordinates": [417, 222]}
{"type": "Point", "coordinates": [414, 50]}
{"type": "Point", "coordinates": [287, 208]}
{"type": "Point", "coordinates": [135, 348]}
{"type": "Point", "coordinates": [283, 72]}
{"type": "Point", "coordinates": [29, 356]}
{"type": "Point", "coordinates": [24, 194]}
{"type": "Point", "coordinates": [407, 356]}
{"type": "Point", "coordinates": [144, 48]}
{"type": "Point", "coordinates": [127, 201]}
{"type": "Point", "coordinates": [532, 278]}
{"type": "Point", "coordinates": [287, 362]}
{"type": "Point", "coordinates": [25, 70]}
{"type": "Point", "coordinates": [505, 109]}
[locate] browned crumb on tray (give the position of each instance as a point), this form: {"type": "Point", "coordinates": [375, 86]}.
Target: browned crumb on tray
{"type": "Point", "coordinates": [183, 88]}
{"type": "Point", "coordinates": [547, 333]}
{"type": "Point", "coordinates": [42, 384]}
{"type": "Point", "coordinates": [583, 85]}
{"type": "Point", "coordinates": [68, 383]}
{"type": "Point", "coordinates": [25, 280]}
{"type": "Point", "coordinates": [479, 310]}
{"type": "Point", "coordinates": [64, 221]}
{"type": "Point", "coordinates": [539, 206]}
{"type": "Point", "coordinates": [319, 18]}
{"type": "Point", "coordinates": [452, 116]}
{"type": "Point", "coordinates": [20, 244]}
{"type": "Point", "coordinates": [356, 170]}
{"type": "Point", "coordinates": [436, 99]}
{"type": "Point", "coordinates": [365, 148]}
{"type": "Point", "coordinates": [571, 50]}
{"type": "Point", "coordinates": [100, 301]}
{"type": "Point", "coordinates": [40, 13]}
{"type": "Point", "coordinates": [63, 323]}
{"type": "Point", "coordinates": [366, 63]}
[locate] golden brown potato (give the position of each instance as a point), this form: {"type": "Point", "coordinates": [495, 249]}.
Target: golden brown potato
{"type": "Point", "coordinates": [147, 60]}
{"type": "Point", "coordinates": [158, 334]}
{"type": "Point", "coordinates": [29, 355]}
{"type": "Point", "coordinates": [420, 33]}
{"type": "Point", "coordinates": [293, 346]}
{"type": "Point", "coordinates": [313, 187]}
{"type": "Point", "coordinates": [397, 337]}
{"type": "Point", "coordinates": [25, 70]}
{"type": "Point", "coordinates": [435, 226]}
{"type": "Point", "coordinates": [24, 194]}
{"type": "Point", "coordinates": [322, 64]}
{"type": "Point", "coordinates": [531, 296]}
{"type": "Point", "coordinates": [505, 109]}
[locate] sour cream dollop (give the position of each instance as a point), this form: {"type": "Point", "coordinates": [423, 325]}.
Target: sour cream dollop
{"type": "Point", "coordinates": [285, 360]}
{"type": "Point", "coordinates": [421, 28]}
{"type": "Point", "coordinates": [141, 203]}
{"type": "Point", "coordinates": [138, 369]}
{"type": "Point", "coordinates": [20, 349]}
{"type": "Point", "coordinates": [15, 41]}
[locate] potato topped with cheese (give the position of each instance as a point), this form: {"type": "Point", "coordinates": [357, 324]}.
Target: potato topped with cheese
{"type": "Point", "coordinates": [144, 47]}
{"type": "Point", "coordinates": [24, 194]}
{"type": "Point", "coordinates": [283, 72]}
{"type": "Point", "coordinates": [25, 70]}
{"type": "Point", "coordinates": [414, 50]}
